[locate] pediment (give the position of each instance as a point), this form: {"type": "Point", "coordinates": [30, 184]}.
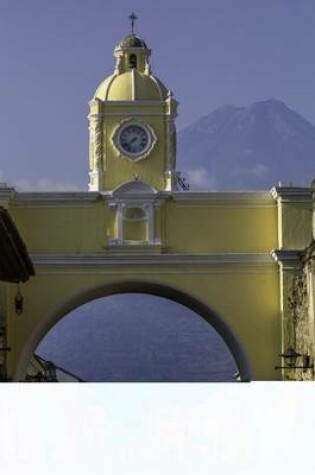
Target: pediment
{"type": "Point", "coordinates": [135, 187]}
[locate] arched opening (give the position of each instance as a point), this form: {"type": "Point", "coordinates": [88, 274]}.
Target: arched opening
{"type": "Point", "coordinates": [184, 311]}
{"type": "Point", "coordinates": [133, 61]}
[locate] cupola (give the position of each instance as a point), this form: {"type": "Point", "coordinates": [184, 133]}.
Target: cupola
{"type": "Point", "coordinates": [132, 123]}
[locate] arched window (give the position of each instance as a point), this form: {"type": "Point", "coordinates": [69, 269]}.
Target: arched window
{"type": "Point", "coordinates": [136, 215]}
{"type": "Point", "coordinates": [133, 61]}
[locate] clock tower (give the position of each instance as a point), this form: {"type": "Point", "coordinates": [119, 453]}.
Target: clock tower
{"type": "Point", "coordinates": [132, 124]}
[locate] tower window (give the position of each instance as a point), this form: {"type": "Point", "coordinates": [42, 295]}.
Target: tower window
{"type": "Point", "coordinates": [133, 61]}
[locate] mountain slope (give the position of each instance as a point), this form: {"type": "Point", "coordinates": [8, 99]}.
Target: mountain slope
{"type": "Point", "coordinates": [251, 147]}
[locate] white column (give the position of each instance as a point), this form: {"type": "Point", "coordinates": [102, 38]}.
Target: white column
{"type": "Point", "coordinates": [150, 223]}
{"type": "Point", "coordinates": [120, 218]}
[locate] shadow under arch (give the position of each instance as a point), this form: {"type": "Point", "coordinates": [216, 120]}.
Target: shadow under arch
{"type": "Point", "coordinates": [140, 287]}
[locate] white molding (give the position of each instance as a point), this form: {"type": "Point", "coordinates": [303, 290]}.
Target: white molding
{"type": "Point", "coordinates": [289, 259]}
{"type": "Point", "coordinates": [135, 114]}
{"type": "Point", "coordinates": [133, 84]}
{"type": "Point", "coordinates": [149, 272]}
{"type": "Point", "coordinates": [180, 198]}
{"type": "Point", "coordinates": [155, 80]}
{"type": "Point", "coordinates": [96, 180]}
{"type": "Point", "coordinates": [131, 103]}
{"type": "Point", "coordinates": [110, 82]}
{"type": "Point", "coordinates": [130, 156]}
{"type": "Point", "coordinates": [129, 248]}
{"type": "Point", "coordinates": [136, 199]}
{"type": "Point", "coordinates": [171, 177]}
{"type": "Point", "coordinates": [250, 199]}
{"type": "Point", "coordinates": [291, 194]}
{"type": "Point", "coordinates": [131, 188]}
{"type": "Point", "coordinates": [7, 194]}
{"type": "Point", "coordinates": [144, 259]}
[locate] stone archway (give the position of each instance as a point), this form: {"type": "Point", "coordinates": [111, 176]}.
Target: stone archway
{"type": "Point", "coordinates": [140, 287]}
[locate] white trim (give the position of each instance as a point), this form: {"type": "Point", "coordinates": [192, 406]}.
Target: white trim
{"type": "Point", "coordinates": [135, 114]}
{"type": "Point", "coordinates": [130, 156]}
{"type": "Point", "coordinates": [7, 194]}
{"type": "Point", "coordinates": [132, 49]}
{"type": "Point", "coordinates": [142, 103]}
{"type": "Point", "coordinates": [99, 260]}
{"type": "Point", "coordinates": [157, 84]}
{"type": "Point", "coordinates": [131, 188]}
{"type": "Point", "coordinates": [129, 247]}
{"type": "Point", "coordinates": [262, 270]}
{"type": "Point", "coordinates": [96, 180]}
{"type": "Point", "coordinates": [95, 116]}
{"type": "Point", "coordinates": [110, 82]}
{"type": "Point", "coordinates": [136, 199]}
{"type": "Point", "coordinates": [120, 218]}
{"type": "Point", "coordinates": [150, 223]}
{"type": "Point", "coordinates": [133, 84]}
{"type": "Point", "coordinates": [251, 199]}
{"type": "Point", "coordinates": [289, 259]}
{"type": "Point", "coordinates": [291, 194]}
{"type": "Point", "coordinates": [180, 198]}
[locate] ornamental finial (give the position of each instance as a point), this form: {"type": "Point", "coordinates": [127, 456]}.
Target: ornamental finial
{"type": "Point", "coordinates": [133, 17]}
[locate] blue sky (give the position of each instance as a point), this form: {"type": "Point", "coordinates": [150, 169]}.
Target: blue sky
{"type": "Point", "coordinates": [209, 52]}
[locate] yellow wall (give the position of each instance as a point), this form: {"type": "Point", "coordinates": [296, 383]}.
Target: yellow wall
{"type": "Point", "coordinates": [64, 229]}
{"type": "Point", "coordinates": [184, 228]}
{"type": "Point", "coordinates": [245, 296]}
{"type": "Point", "coordinates": [220, 229]}
{"type": "Point", "coordinates": [245, 293]}
{"type": "Point", "coordinates": [149, 169]}
{"type": "Point", "coordinates": [296, 231]}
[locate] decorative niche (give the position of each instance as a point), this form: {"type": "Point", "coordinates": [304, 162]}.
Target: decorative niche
{"type": "Point", "coordinates": [135, 205]}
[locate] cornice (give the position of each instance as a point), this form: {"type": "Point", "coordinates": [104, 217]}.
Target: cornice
{"type": "Point", "coordinates": [133, 103]}
{"type": "Point", "coordinates": [250, 199]}
{"type": "Point", "coordinates": [180, 198]}
{"type": "Point", "coordinates": [145, 259]}
{"type": "Point", "coordinates": [114, 197]}
{"type": "Point", "coordinates": [289, 259]}
{"type": "Point", "coordinates": [135, 114]}
{"type": "Point", "coordinates": [134, 199]}
{"type": "Point", "coordinates": [6, 194]}
{"type": "Point", "coordinates": [291, 193]}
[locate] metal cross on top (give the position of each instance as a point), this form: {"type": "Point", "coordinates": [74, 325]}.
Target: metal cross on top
{"type": "Point", "coordinates": [133, 17]}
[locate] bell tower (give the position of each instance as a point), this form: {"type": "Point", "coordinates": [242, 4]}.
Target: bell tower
{"type": "Point", "coordinates": [132, 124]}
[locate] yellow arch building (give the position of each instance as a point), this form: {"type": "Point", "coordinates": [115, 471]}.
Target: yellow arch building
{"type": "Point", "coordinates": [231, 257]}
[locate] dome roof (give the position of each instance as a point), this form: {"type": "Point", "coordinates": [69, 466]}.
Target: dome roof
{"type": "Point", "coordinates": [131, 85]}
{"type": "Point", "coordinates": [132, 41]}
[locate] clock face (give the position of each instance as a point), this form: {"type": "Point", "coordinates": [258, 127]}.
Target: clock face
{"type": "Point", "coordinates": [134, 140]}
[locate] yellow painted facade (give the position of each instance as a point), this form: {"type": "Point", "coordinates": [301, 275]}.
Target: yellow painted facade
{"type": "Point", "coordinates": [231, 257]}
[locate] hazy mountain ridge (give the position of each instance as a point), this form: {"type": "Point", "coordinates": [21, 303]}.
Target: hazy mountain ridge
{"type": "Point", "coordinates": [251, 147]}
